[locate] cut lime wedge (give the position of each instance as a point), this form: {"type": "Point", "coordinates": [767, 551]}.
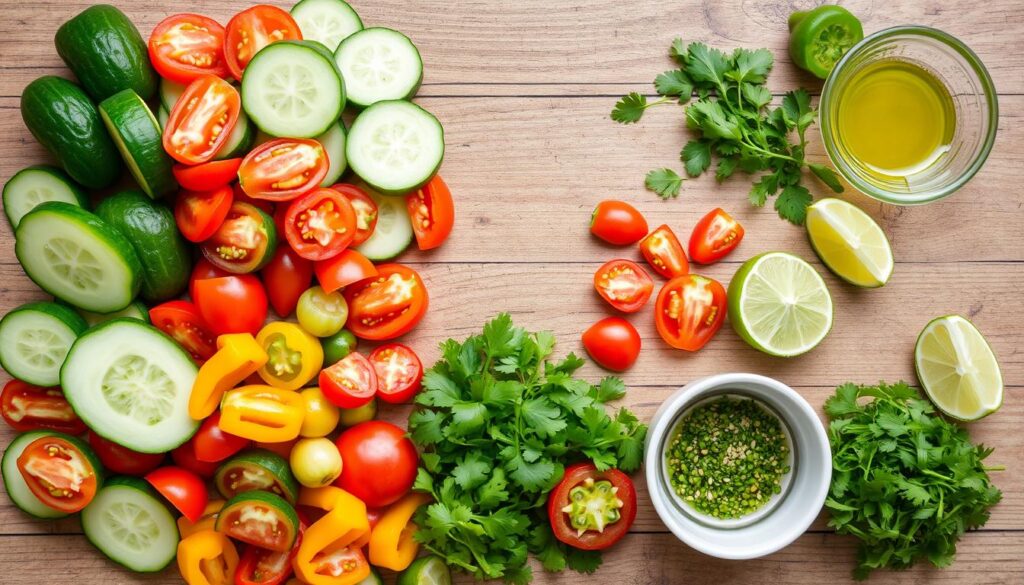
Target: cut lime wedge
{"type": "Point", "coordinates": [779, 304]}
{"type": "Point", "coordinates": [426, 571]}
{"type": "Point", "coordinates": [849, 242]}
{"type": "Point", "coordinates": [957, 369]}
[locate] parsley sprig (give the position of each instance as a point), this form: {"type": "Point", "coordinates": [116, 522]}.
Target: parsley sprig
{"type": "Point", "coordinates": [498, 424]}
{"type": "Point", "coordinates": [905, 481]}
{"type": "Point", "coordinates": [736, 125]}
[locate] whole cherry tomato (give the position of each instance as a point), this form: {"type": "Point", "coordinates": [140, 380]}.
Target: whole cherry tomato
{"type": "Point", "coordinates": [286, 277]}
{"type": "Point", "coordinates": [613, 343]}
{"type": "Point", "coordinates": [618, 223]}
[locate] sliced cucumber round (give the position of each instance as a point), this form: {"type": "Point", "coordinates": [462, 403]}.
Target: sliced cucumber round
{"type": "Point", "coordinates": [170, 92]}
{"type": "Point", "coordinates": [127, 522]}
{"type": "Point", "coordinates": [327, 22]}
{"type": "Point", "coordinates": [393, 232]}
{"type": "Point", "coordinates": [333, 142]}
{"type": "Point", "coordinates": [136, 310]}
{"type": "Point", "coordinates": [34, 340]}
{"type": "Point", "coordinates": [293, 89]}
{"type": "Point", "coordinates": [395, 146]}
{"type": "Point", "coordinates": [379, 64]}
{"type": "Point", "coordinates": [14, 482]}
{"type": "Point", "coordinates": [136, 133]}
{"type": "Point", "coordinates": [76, 257]}
{"type": "Point", "coordinates": [38, 184]}
{"type": "Point", "coordinates": [130, 384]}
{"type": "Point", "coordinates": [239, 142]}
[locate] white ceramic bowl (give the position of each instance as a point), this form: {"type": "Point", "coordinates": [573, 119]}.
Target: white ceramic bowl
{"type": "Point", "coordinates": [787, 515]}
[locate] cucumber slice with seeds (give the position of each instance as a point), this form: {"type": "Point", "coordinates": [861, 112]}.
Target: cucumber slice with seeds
{"type": "Point", "coordinates": [379, 64]}
{"type": "Point", "coordinates": [395, 146]}
{"type": "Point", "coordinates": [327, 22]}
{"type": "Point", "coordinates": [137, 135]}
{"type": "Point", "coordinates": [333, 142]}
{"type": "Point", "coordinates": [35, 338]}
{"type": "Point", "coordinates": [129, 523]}
{"type": "Point", "coordinates": [38, 184]}
{"type": "Point", "coordinates": [393, 232]}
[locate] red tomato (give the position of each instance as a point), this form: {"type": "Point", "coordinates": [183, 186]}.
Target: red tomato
{"type": "Point", "coordinates": [181, 320]}
{"type": "Point", "coordinates": [689, 311]}
{"type": "Point", "coordinates": [432, 212]}
{"type": "Point", "coordinates": [185, 457]}
{"type": "Point", "coordinates": [286, 277]}
{"type": "Point", "coordinates": [184, 47]}
{"type": "Point", "coordinates": [339, 562]}
{"type": "Point", "coordinates": [613, 343]}
{"type": "Point", "coordinates": [259, 566]}
{"type": "Point", "coordinates": [201, 271]}
{"type": "Point", "coordinates": [283, 169]}
{"type": "Point", "coordinates": [59, 472]}
{"type": "Point", "coordinates": [589, 503]}
{"type": "Point", "coordinates": [28, 408]}
{"type": "Point", "coordinates": [350, 383]}
{"type": "Point", "coordinates": [365, 208]}
{"type": "Point", "coordinates": [207, 176]}
{"type": "Point", "coordinates": [342, 270]}
{"type": "Point", "coordinates": [618, 223]}
{"type": "Point", "coordinates": [319, 225]}
{"type": "Point", "coordinates": [231, 304]}
{"type": "Point", "coordinates": [624, 285]}
{"type": "Point", "coordinates": [212, 444]}
{"type": "Point", "coordinates": [399, 372]}
{"type": "Point", "coordinates": [663, 252]}
{"type": "Point", "coordinates": [252, 29]}
{"type": "Point", "coordinates": [716, 235]}
{"type": "Point", "coordinates": [201, 120]}
{"type": "Point", "coordinates": [283, 449]}
{"type": "Point", "coordinates": [380, 463]}
{"type": "Point", "coordinates": [387, 305]}
{"type": "Point", "coordinates": [265, 206]}
{"type": "Point", "coordinates": [199, 214]}
{"type": "Point", "coordinates": [185, 490]}
{"type": "Point", "coordinates": [120, 459]}
{"type": "Point", "coordinates": [244, 242]}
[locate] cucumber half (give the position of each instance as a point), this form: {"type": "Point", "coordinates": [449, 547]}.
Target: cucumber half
{"type": "Point", "coordinates": [393, 232]}
{"type": "Point", "coordinates": [130, 383]}
{"type": "Point", "coordinates": [34, 340]}
{"type": "Point", "coordinates": [76, 257]}
{"type": "Point", "coordinates": [327, 22]}
{"type": "Point", "coordinates": [379, 64]}
{"type": "Point", "coordinates": [38, 184]}
{"type": "Point", "coordinates": [127, 522]}
{"type": "Point", "coordinates": [136, 133]}
{"type": "Point", "coordinates": [14, 482]}
{"type": "Point", "coordinates": [333, 142]}
{"type": "Point", "coordinates": [136, 310]}
{"type": "Point", "coordinates": [395, 146]}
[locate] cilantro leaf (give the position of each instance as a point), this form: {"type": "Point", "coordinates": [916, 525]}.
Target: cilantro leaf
{"type": "Point", "coordinates": [751, 66]}
{"type": "Point", "coordinates": [678, 51]}
{"type": "Point", "coordinates": [664, 182]}
{"type": "Point", "coordinates": [764, 188]}
{"type": "Point", "coordinates": [674, 83]}
{"type": "Point", "coordinates": [706, 65]}
{"type": "Point", "coordinates": [697, 156]}
{"type": "Point", "coordinates": [796, 106]}
{"type": "Point", "coordinates": [792, 204]}
{"type": "Point", "coordinates": [630, 108]}
{"type": "Point", "coordinates": [726, 167]}
{"type": "Point", "coordinates": [610, 388]}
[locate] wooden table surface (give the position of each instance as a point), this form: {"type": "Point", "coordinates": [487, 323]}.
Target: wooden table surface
{"type": "Point", "coordinates": [524, 90]}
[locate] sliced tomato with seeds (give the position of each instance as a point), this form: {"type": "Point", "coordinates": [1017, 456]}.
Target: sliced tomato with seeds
{"type": "Point", "coordinates": [432, 212]}
{"type": "Point", "coordinates": [244, 242]}
{"type": "Point", "coordinates": [184, 47]}
{"type": "Point", "coordinates": [341, 563]}
{"type": "Point", "coordinates": [387, 305]}
{"type": "Point", "coordinates": [365, 209]}
{"type": "Point", "coordinates": [283, 169]}
{"type": "Point", "coordinates": [342, 270]}
{"type": "Point", "coordinates": [202, 119]}
{"type": "Point", "coordinates": [26, 407]}
{"type": "Point", "coordinates": [286, 277]}
{"type": "Point", "coordinates": [319, 225]}
{"type": "Point", "coordinates": [182, 321]}
{"type": "Point", "coordinates": [350, 383]}
{"type": "Point", "coordinates": [259, 566]}
{"type": "Point", "coordinates": [714, 237]}
{"type": "Point", "coordinates": [207, 176]}
{"type": "Point", "coordinates": [625, 285]}
{"type": "Point", "coordinates": [689, 311]}
{"type": "Point", "coordinates": [198, 214]}
{"type": "Point", "coordinates": [61, 471]}
{"type": "Point", "coordinates": [254, 28]}
{"type": "Point", "coordinates": [399, 372]}
{"type": "Point", "coordinates": [261, 519]}
{"type": "Point", "coordinates": [663, 252]}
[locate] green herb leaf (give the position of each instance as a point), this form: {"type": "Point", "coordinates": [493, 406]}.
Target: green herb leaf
{"type": "Point", "coordinates": [674, 83]}
{"type": "Point", "coordinates": [630, 108]}
{"type": "Point", "coordinates": [792, 204]}
{"type": "Point", "coordinates": [726, 167]}
{"type": "Point", "coordinates": [764, 188]}
{"type": "Point", "coordinates": [706, 64]}
{"type": "Point", "coordinates": [664, 182]}
{"type": "Point", "coordinates": [751, 66]}
{"type": "Point", "coordinates": [697, 156]}
{"type": "Point", "coordinates": [827, 176]}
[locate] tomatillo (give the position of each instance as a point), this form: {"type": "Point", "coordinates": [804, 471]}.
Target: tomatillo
{"type": "Point", "coordinates": [820, 37]}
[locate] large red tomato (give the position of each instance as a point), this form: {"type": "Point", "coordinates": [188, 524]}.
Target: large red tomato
{"type": "Point", "coordinates": [380, 463]}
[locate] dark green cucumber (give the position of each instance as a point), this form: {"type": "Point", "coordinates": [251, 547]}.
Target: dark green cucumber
{"type": "Point", "coordinates": [136, 133]}
{"type": "Point", "coordinates": [66, 122]}
{"type": "Point", "coordinates": [257, 469]}
{"type": "Point", "coordinates": [106, 53]}
{"type": "Point", "coordinates": [151, 230]}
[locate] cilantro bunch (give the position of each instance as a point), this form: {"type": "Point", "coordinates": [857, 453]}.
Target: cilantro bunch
{"type": "Point", "coordinates": [499, 424]}
{"type": "Point", "coordinates": [905, 481]}
{"type": "Point", "coordinates": [735, 125]}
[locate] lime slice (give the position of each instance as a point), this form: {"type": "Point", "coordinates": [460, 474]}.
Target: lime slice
{"type": "Point", "coordinates": [957, 369]}
{"type": "Point", "coordinates": [426, 571]}
{"type": "Point", "coordinates": [849, 242]}
{"type": "Point", "coordinates": [779, 304]}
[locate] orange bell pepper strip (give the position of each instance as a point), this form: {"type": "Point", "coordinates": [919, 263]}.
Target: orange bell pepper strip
{"type": "Point", "coordinates": [262, 413]}
{"type": "Point", "coordinates": [391, 543]}
{"type": "Point", "coordinates": [206, 522]}
{"type": "Point", "coordinates": [238, 356]}
{"type": "Point", "coordinates": [330, 550]}
{"type": "Point", "coordinates": [207, 557]}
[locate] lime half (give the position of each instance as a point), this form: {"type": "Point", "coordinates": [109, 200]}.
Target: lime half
{"type": "Point", "coordinates": [957, 369]}
{"type": "Point", "coordinates": [849, 242]}
{"type": "Point", "coordinates": [426, 571]}
{"type": "Point", "coordinates": [779, 304]}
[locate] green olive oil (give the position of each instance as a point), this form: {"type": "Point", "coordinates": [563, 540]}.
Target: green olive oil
{"type": "Point", "coordinates": [896, 119]}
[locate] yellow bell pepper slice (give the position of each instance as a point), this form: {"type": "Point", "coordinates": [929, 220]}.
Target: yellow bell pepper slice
{"type": "Point", "coordinates": [295, 356]}
{"type": "Point", "coordinates": [238, 356]}
{"type": "Point", "coordinates": [333, 540]}
{"type": "Point", "coordinates": [207, 558]}
{"type": "Point", "coordinates": [206, 522]}
{"type": "Point", "coordinates": [391, 543]}
{"type": "Point", "coordinates": [262, 413]}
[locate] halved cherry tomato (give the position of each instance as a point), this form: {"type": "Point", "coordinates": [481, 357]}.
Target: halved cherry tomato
{"type": "Point", "coordinates": [244, 242]}
{"type": "Point", "coordinates": [625, 285]}
{"type": "Point", "coordinates": [201, 120]}
{"type": "Point", "coordinates": [342, 270]}
{"type": "Point", "coordinates": [689, 311]}
{"type": "Point", "coordinates": [387, 305]}
{"type": "Point", "coordinates": [182, 321]}
{"type": "Point", "coordinates": [231, 304]}
{"type": "Point", "coordinates": [185, 490]}
{"type": "Point", "coordinates": [260, 566]}
{"type": "Point", "coordinates": [208, 175]}
{"type": "Point", "coordinates": [212, 444]}
{"type": "Point", "coordinates": [120, 459]}
{"type": "Point", "coordinates": [185, 457]}
{"type": "Point", "coordinates": [715, 236]}
{"type": "Point", "coordinates": [342, 563]}
{"type": "Point", "coordinates": [286, 277]}
{"type": "Point", "coordinates": [663, 252]}
{"type": "Point", "coordinates": [617, 223]}
{"type": "Point", "coordinates": [200, 213]}
{"type": "Point", "coordinates": [283, 169]}
{"type": "Point", "coordinates": [365, 208]}
{"type": "Point", "coordinates": [399, 372]}
{"type": "Point", "coordinates": [29, 408]}
{"type": "Point", "coordinates": [432, 212]}
{"type": "Point", "coordinates": [380, 462]}
{"type": "Point", "coordinates": [59, 470]}
{"type": "Point", "coordinates": [184, 47]}
{"type": "Point", "coordinates": [591, 509]}
{"type": "Point", "coordinates": [267, 207]}
{"type": "Point", "coordinates": [252, 29]}
{"type": "Point", "coordinates": [350, 383]}
{"type": "Point", "coordinates": [613, 343]}
{"type": "Point", "coordinates": [319, 225]}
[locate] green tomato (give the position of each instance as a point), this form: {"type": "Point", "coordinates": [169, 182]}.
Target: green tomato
{"type": "Point", "coordinates": [321, 314]}
{"type": "Point", "coordinates": [353, 416]}
{"type": "Point", "coordinates": [337, 346]}
{"type": "Point", "coordinates": [820, 37]}
{"type": "Point", "coordinates": [315, 462]}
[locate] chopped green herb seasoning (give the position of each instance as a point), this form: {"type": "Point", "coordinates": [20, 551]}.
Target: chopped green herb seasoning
{"type": "Point", "coordinates": [728, 457]}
